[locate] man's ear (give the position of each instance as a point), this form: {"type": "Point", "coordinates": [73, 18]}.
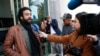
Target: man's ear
{"type": "Point", "coordinates": [21, 18]}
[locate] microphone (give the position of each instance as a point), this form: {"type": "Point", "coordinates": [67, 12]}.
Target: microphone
{"type": "Point", "coordinates": [74, 4]}
{"type": "Point", "coordinates": [36, 28]}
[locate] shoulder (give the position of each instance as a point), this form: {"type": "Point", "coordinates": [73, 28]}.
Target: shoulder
{"type": "Point", "coordinates": [14, 28]}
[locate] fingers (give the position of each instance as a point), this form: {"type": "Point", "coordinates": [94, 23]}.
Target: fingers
{"type": "Point", "coordinates": [92, 37]}
{"type": "Point", "coordinates": [42, 34]}
{"type": "Point", "coordinates": [89, 35]}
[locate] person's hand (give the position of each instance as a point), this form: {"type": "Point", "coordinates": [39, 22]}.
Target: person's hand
{"type": "Point", "coordinates": [92, 38]}
{"type": "Point", "coordinates": [42, 34]}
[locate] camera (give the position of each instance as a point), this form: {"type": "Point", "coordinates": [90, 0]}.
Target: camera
{"type": "Point", "coordinates": [76, 51]}
{"type": "Point", "coordinates": [90, 24]}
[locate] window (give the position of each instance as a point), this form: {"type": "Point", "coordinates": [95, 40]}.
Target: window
{"type": "Point", "coordinates": [37, 7]}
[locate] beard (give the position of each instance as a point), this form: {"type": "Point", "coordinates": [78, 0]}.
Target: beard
{"type": "Point", "coordinates": [27, 22]}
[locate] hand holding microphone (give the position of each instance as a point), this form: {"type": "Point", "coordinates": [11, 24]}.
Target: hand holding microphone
{"type": "Point", "coordinates": [42, 34]}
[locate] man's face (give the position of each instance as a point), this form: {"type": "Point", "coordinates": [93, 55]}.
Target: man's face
{"type": "Point", "coordinates": [27, 17]}
{"type": "Point", "coordinates": [67, 21]}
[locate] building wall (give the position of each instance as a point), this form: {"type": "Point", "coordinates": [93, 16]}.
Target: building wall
{"type": "Point", "coordinates": [25, 3]}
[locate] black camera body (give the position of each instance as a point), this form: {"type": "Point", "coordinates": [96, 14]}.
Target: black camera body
{"type": "Point", "coordinates": [76, 51]}
{"type": "Point", "coordinates": [90, 24]}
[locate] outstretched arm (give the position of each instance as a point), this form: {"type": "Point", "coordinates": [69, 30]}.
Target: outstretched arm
{"type": "Point", "coordinates": [58, 39]}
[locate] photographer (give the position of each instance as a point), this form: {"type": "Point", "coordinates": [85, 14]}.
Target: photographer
{"type": "Point", "coordinates": [79, 44]}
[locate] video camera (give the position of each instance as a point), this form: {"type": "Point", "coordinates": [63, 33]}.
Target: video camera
{"type": "Point", "coordinates": [90, 24]}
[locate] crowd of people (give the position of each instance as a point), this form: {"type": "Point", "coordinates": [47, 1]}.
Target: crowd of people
{"type": "Point", "coordinates": [24, 39]}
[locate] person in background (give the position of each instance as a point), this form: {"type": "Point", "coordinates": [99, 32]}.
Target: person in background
{"type": "Point", "coordinates": [21, 40]}
{"type": "Point", "coordinates": [46, 27]}
{"type": "Point", "coordinates": [50, 26]}
{"type": "Point", "coordinates": [79, 44]}
{"type": "Point", "coordinates": [56, 46]}
{"type": "Point", "coordinates": [67, 28]}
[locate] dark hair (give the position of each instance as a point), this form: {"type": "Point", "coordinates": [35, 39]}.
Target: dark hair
{"type": "Point", "coordinates": [89, 23]}
{"type": "Point", "coordinates": [67, 16]}
{"type": "Point", "coordinates": [54, 24]}
{"type": "Point", "coordinates": [47, 17]}
{"type": "Point", "coordinates": [79, 15]}
{"type": "Point", "coordinates": [20, 13]}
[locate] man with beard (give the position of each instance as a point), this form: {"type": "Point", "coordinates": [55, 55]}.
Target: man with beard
{"type": "Point", "coordinates": [67, 27]}
{"type": "Point", "coordinates": [21, 40]}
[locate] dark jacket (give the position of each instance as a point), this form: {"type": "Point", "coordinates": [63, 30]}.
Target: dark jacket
{"type": "Point", "coordinates": [54, 24]}
{"type": "Point", "coordinates": [97, 47]}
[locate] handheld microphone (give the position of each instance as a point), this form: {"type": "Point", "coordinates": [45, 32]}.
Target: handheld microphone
{"type": "Point", "coordinates": [36, 28]}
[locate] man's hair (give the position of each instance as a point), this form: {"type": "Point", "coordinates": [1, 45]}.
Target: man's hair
{"type": "Point", "coordinates": [67, 16]}
{"type": "Point", "coordinates": [47, 17]}
{"type": "Point", "coordinates": [20, 13]}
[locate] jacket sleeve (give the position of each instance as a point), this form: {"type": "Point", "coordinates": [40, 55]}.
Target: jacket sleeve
{"type": "Point", "coordinates": [8, 44]}
{"type": "Point", "coordinates": [60, 39]}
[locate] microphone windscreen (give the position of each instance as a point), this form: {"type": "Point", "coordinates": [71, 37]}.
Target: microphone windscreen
{"type": "Point", "coordinates": [36, 27]}
{"type": "Point", "coordinates": [74, 4]}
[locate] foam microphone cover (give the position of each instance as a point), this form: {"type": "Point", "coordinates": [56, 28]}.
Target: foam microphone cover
{"type": "Point", "coordinates": [74, 4]}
